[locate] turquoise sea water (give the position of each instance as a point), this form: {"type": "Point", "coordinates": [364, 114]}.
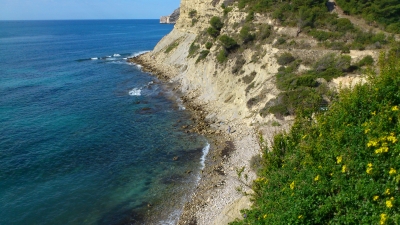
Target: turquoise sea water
{"type": "Point", "coordinates": [86, 138]}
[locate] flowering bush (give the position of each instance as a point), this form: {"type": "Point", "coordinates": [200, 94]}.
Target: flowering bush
{"type": "Point", "coordinates": [341, 167]}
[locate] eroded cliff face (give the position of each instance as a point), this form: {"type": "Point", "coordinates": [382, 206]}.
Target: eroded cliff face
{"type": "Point", "coordinates": [204, 10]}
{"type": "Point", "coordinates": [231, 95]}
{"type": "Point", "coordinates": [211, 82]}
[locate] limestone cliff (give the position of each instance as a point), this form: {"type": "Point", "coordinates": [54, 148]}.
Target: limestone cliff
{"type": "Point", "coordinates": [236, 90]}
{"type": "Point", "coordinates": [209, 80]}
{"type": "Point", "coordinates": [243, 94]}
{"type": "Point", "coordinates": [171, 18]}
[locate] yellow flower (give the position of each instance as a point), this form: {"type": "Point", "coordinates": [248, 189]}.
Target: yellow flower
{"type": "Point", "coordinates": [381, 150]}
{"type": "Point", "coordinates": [301, 216]}
{"type": "Point", "coordinates": [392, 171]}
{"type": "Point", "coordinates": [383, 219]}
{"type": "Point", "coordinates": [265, 216]}
{"type": "Point", "coordinates": [367, 130]}
{"type": "Point", "coordinates": [338, 159]}
{"type": "Point", "coordinates": [316, 178]}
{"type": "Point", "coordinates": [375, 198]}
{"type": "Point", "coordinates": [392, 138]}
{"type": "Point", "coordinates": [372, 143]}
{"type": "Point", "coordinates": [292, 185]}
{"type": "Point", "coordinates": [389, 203]}
{"type": "Point", "coordinates": [395, 108]}
{"type": "Point", "coordinates": [373, 113]}
{"type": "Point", "coordinates": [387, 191]}
{"type": "Point", "coordinates": [369, 168]}
{"type": "Point", "coordinates": [344, 169]}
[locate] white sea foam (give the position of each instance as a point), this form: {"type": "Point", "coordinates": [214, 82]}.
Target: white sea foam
{"type": "Point", "coordinates": [116, 55]}
{"type": "Point", "coordinates": [206, 149]}
{"type": "Point", "coordinates": [139, 53]}
{"type": "Point", "coordinates": [172, 219]}
{"type": "Point", "coordinates": [95, 58]}
{"type": "Point", "coordinates": [135, 92]}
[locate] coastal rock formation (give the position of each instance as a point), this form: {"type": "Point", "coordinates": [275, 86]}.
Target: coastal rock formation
{"type": "Point", "coordinates": [171, 19]}
{"type": "Point", "coordinates": [230, 99]}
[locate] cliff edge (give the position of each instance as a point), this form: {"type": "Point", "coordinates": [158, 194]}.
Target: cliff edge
{"type": "Point", "coordinates": [171, 19]}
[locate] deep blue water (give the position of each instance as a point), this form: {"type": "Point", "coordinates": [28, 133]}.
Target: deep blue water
{"type": "Point", "coordinates": [86, 138]}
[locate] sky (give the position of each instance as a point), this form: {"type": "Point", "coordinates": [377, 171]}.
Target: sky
{"type": "Point", "coordinates": [85, 9]}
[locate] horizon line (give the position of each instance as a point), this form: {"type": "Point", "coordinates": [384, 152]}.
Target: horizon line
{"type": "Point", "coordinates": [70, 19]}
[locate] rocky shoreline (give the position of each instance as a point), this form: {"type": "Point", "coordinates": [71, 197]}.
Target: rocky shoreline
{"type": "Point", "coordinates": [232, 145]}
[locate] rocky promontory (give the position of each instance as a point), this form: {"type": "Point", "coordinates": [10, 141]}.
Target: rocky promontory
{"type": "Point", "coordinates": [171, 19]}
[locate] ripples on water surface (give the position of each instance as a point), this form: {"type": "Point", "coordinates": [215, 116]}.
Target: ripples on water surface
{"type": "Point", "coordinates": [86, 138]}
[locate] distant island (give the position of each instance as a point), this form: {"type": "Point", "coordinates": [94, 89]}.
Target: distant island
{"type": "Point", "coordinates": [171, 19]}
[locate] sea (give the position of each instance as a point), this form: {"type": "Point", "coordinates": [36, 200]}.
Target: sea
{"type": "Point", "coordinates": [85, 136]}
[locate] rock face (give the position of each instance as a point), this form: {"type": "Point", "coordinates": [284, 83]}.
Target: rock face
{"type": "Point", "coordinates": [171, 18]}
{"type": "Point", "coordinates": [227, 96]}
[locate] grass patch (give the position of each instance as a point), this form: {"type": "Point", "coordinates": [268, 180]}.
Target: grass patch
{"type": "Point", "coordinates": [171, 47]}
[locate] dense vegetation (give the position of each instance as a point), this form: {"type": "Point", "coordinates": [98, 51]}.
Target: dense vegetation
{"type": "Point", "coordinates": [383, 12]}
{"type": "Point", "coordinates": [341, 166]}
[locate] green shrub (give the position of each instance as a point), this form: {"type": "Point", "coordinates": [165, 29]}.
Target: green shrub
{"type": "Point", "coordinates": [213, 32]}
{"type": "Point", "coordinates": [227, 10]}
{"type": "Point", "coordinates": [246, 35]}
{"type": "Point", "coordinates": [265, 31]}
{"type": "Point", "coordinates": [222, 56]}
{"type": "Point", "coordinates": [193, 49]}
{"type": "Point", "coordinates": [330, 60]}
{"type": "Point", "coordinates": [216, 23]}
{"type": "Point", "coordinates": [306, 81]}
{"type": "Point", "coordinates": [228, 42]}
{"type": "Point", "coordinates": [285, 59]}
{"type": "Point", "coordinates": [343, 25]}
{"type": "Point", "coordinates": [194, 21]}
{"type": "Point", "coordinates": [385, 13]}
{"type": "Point", "coordinates": [394, 28]}
{"type": "Point", "coordinates": [209, 45]}
{"type": "Point", "coordinates": [203, 55]}
{"type": "Point", "coordinates": [342, 166]}
{"type": "Point", "coordinates": [302, 100]}
{"type": "Point", "coordinates": [242, 4]}
{"type": "Point", "coordinates": [366, 61]}
{"type": "Point", "coordinates": [280, 41]}
{"type": "Point", "coordinates": [321, 35]}
{"type": "Point", "coordinates": [250, 16]}
{"type": "Point", "coordinates": [379, 37]}
{"type": "Point", "coordinates": [192, 13]}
